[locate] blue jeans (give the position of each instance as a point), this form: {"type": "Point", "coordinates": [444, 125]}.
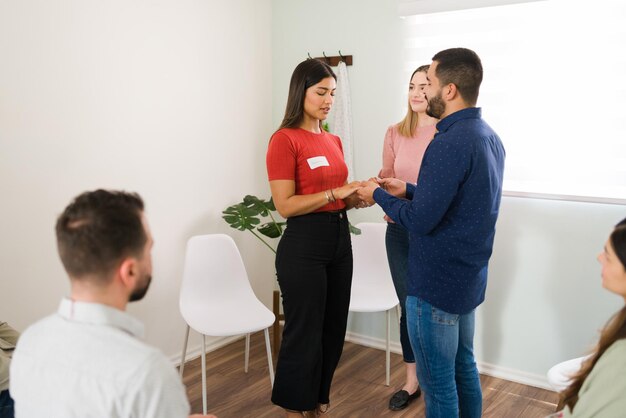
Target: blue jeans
{"type": "Point", "coordinates": [397, 243]}
{"type": "Point", "coordinates": [446, 369]}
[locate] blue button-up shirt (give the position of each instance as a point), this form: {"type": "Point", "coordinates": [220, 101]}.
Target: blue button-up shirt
{"type": "Point", "coordinates": [451, 213]}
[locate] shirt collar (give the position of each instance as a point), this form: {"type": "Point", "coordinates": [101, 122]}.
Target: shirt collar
{"type": "Point", "coordinates": [98, 314]}
{"type": "Point", "coordinates": [467, 113]}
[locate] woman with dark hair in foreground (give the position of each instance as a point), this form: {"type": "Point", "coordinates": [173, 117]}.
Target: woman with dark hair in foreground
{"type": "Point", "coordinates": [599, 388]}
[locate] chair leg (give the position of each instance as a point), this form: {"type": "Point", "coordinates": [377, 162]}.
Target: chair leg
{"type": "Point", "coordinates": [388, 356]}
{"type": "Point", "coordinates": [203, 374]}
{"type": "Point", "coordinates": [182, 361]}
{"type": "Point", "coordinates": [268, 348]}
{"type": "Point", "coordinates": [247, 354]}
{"type": "Point", "coordinates": [398, 312]}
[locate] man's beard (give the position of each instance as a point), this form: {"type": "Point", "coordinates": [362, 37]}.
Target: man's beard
{"type": "Point", "coordinates": [436, 106]}
{"type": "Point", "coordinates": [140, 292]}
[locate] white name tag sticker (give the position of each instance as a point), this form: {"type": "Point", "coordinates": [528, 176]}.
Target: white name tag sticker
{"type": "Point", "coordinates": [316, 162]}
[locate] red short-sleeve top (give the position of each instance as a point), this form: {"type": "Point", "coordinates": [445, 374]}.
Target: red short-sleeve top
{"type": "Point", "coordinates": [313, 161]}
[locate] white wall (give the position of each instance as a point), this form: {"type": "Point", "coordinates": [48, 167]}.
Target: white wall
{"type": "Point", "coordinates": [544, 299]}
{"type": "Point", "coordinates": [170, 98]}
{"type": "Point", "coordinates": [176, 100]}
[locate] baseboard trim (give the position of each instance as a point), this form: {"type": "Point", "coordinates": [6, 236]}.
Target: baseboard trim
{"type": "Point", "coordinates": [372, 342]}
{"type": "Point", "coordinates": [513, 375]}
{"type": "Point", "coordinates": [500, 372]}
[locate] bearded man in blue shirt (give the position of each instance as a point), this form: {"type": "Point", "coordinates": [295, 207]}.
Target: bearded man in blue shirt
{"type": "Point", "coordinates": [450, 214]}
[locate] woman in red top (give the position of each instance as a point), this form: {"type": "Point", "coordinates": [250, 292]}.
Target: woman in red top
{"type": "Point", "coordinates": [307, 176]}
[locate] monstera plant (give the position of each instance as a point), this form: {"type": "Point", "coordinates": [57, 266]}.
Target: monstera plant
{"type": "Point", "coordinates": [251, 211]}
{"type": "Point", "coordinates": [248, 214]}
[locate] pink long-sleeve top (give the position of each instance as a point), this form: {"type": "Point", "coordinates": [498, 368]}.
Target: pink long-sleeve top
{"type": "Point", "coordinates": [402, 156]}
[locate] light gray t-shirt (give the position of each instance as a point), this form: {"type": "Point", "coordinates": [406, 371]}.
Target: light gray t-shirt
{"type": "Point", "coordinates": [87, 360]}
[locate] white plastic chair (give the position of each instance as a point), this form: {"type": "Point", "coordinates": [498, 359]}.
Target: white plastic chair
{"type": "Point", "coordinates": [216, 298]}
{"type": "Point", "coordinates": [560, 375]}
{"type": "Point", "coordinates": [372, 286]}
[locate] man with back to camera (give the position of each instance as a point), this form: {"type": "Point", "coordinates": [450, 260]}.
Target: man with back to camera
{"type": "Point", "coordinates": [450, 214]}
{"type": "Point", "coordinates": [88, 359]}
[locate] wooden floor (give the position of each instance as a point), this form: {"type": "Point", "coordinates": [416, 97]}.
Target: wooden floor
{"type": "Point", "coordinates": [358, 388]}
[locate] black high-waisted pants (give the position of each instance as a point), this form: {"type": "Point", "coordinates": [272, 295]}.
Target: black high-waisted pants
{"type": "Point", "coordinates": [314, 268]}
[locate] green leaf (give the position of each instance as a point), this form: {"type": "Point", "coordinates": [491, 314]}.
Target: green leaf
{"type": "Point", "coordinates": [354, 230]}
{"type": "Point", "coordinates": [262, 207]}
{"type": "Point", "coordinates": [241, 217]}
{"type": "Point", "coordinates": [271, 229]}
{"type": "Point", "coordinates": [270, 204]}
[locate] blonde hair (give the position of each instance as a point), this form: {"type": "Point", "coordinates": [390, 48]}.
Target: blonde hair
{"type": "Point", "coordinates": [407, 126]}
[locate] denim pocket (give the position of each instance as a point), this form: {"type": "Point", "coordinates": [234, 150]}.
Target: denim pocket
{"type": "Point", "coordinates": [443, 317]}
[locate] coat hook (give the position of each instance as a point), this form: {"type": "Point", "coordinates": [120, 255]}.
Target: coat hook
{"type": "Point", "coordinates": [324, 54]}
{"type": "Point", "coordinates": [310, 57]}
{"type": "Point", "coordinates": [340, 56]}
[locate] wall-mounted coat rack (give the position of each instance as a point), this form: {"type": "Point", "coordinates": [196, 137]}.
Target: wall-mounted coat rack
{"type": "Point", "coordinates": [334, 60]}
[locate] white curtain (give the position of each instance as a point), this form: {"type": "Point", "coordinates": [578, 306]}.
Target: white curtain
{"type": "Point", "coordinates": [342, 121]}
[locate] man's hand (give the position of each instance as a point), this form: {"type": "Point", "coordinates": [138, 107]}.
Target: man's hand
{"type": "Point", "coordinates": [366, 191]}
{"type": "Point", "coordinates": [393, 186]}
{"type": "Point", "coordinates": [353, 201]}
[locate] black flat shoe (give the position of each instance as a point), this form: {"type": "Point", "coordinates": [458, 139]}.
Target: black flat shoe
{"type": "Point", "coordinates": [401, 399]}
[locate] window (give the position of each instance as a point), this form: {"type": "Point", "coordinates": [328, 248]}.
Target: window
{"type": "Point", "coordinates": [554, 89]}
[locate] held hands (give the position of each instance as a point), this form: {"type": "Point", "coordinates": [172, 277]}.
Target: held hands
{"type": "Point", "coordinates": [366, 191]}
{"type": "Point", "coordinates": [391, 185]}
{"type": "Point", "coordinates": [349, 194]}
{"type": "Point", "coordinates": [359, 194]}
{"type": "Point", "coordinates": [351, 198]}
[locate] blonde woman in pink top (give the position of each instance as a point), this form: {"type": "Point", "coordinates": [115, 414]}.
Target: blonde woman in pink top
{"type": "Point", "coordinates": [404, 147]}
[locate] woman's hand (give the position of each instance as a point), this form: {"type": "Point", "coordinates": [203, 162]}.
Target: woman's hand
{"type": "Point", "coordinates": [289, 204]}
{"type": "Point", "coordinates": [366, 191]}
{"type": "Point", "coordinates": [346, 190]}
{"type": "Point", "coordinates": [352, 200]}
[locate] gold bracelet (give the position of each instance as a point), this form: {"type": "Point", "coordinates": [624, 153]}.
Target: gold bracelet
{"type": "Point", "coordinates": [327, 197]}
{"type": "Point", "coordinates": [333, 195]}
